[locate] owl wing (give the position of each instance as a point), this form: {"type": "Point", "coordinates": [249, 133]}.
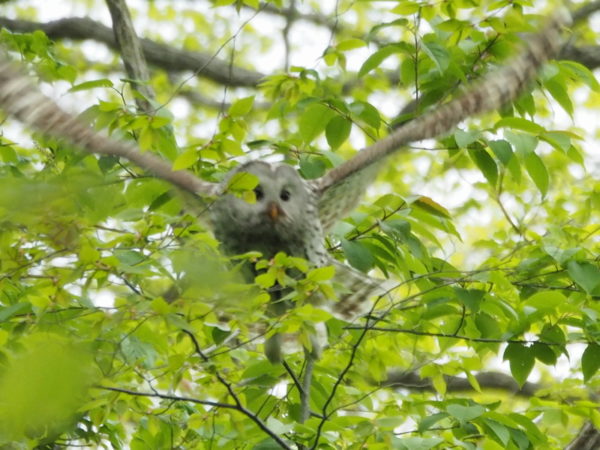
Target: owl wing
{"type": "Point", "coordinates": [21, 98]}
{"type": "Point", "coordinates": [355, 291]}
{"type": "Point", "coordinates": [343, 196]}
{"type": "Point", "coordinates": [341, 188]}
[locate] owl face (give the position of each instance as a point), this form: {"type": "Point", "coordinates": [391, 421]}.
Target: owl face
{"type": "Point", "coordinates": [279, 219]}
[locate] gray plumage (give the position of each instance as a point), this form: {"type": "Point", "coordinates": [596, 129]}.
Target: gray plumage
{"type": "Point", "coordinates": [284, 218]}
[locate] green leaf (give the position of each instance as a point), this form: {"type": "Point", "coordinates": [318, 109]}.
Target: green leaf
{"type": "Point", "coordinates": [13, 310]}
{"type": "Point", "coordinates": [521, 359]}
{"type": "Point", "coordinates": [465, 413]}
{"type": "Point", "coordinates": [538, 172]}
{"type": "Point", "coordinates": [265, 280]}
{"type": "Point", "coordinates": [554, 334]}
{"type": "Point", "coordinates": [559, 92]}
{"type": "Point", "coordinates": [431, 206]}
{"type": "Point", "coordinates": [502, 150]}
{"type": "Point", "coordinates": [585, 274]}
{"type": "Point", "coordinates": [279, 427]}
{"type": "Point", "coordinates": [350, 44]}
{"type": "Point", "coordinates": [358, 255]}
{"type": "Point", "coordinates": [367, 113]}
{"type": "Point", "coordinates": [312, 166]}
{"type": "Point", "coordinates": [42, 387]}
{"type": "Point", "coordinates": [546, 301]}
{"type": "Point", "coordinates": [102, 82]}
{"type": "Point", "coordinates": [242, 181]}
{"type": "Point", "coordinates": [241, 107]}
{"type": "Point", "coordinates": [560, 141]}
{"type": "Point", "coordinates": [377, 58]}
{"type": "Point", "coordinates": [314, 120]}
{"type": "Point", "coordinates": [471, 298]}
{"type": "Point", "coordinates": [465, 138]}
{"type": "Point", "coordinates": [544, 353]}
{"type": "Point", "coordinates": [438, 54]}
{"type": "Point", "coordinates": [406, 8]}
{"type": "Point", "coordinates": [522, 143]}
{"type": "Point", "coordinates": [321, 273]}
{"type": "Point", "coordinates": [581, 72]}
{"type": "Point", "coordinates": [186, 159]}
{"type": "Point", "coordinates": [519, 124]}
{"type": "Point", "coordinates": [499, 430]}
{"type": "Point", "coordinates": [486, 164]}
{"type": "Point", "coordinates": [428, 421]}
{"type": "Point", "coordinates": [337, 131]}
{"type": "Point", "coordinates": [417, 443]}
{"type": "Point", "coordinates": [590, 361]}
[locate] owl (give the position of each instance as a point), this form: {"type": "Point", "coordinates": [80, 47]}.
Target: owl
{"type": "Point", "coordinates": [290, 214]}
{"type": "Point", "coordinates": [285, 218]}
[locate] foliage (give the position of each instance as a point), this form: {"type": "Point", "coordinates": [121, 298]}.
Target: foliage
{"type": "Point", "coordinates": [100, 261]}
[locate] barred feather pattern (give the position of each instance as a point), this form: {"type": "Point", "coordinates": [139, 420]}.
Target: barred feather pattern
{"type": "Point", "coordinates": [21, 98]}
{"type": "Point", "coordinates": [341, 188]}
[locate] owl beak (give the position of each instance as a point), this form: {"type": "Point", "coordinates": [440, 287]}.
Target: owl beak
{"type": "Point", "coordinates": [274, 211]}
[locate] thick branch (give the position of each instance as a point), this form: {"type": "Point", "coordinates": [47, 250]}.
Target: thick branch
{"type": "Point", "coordinates": [131, 53]}
{"type": "Point", "coordinates": [588, 438]}
{"type": "Point", "coordinates": [164, 56]}
{"type": "Point", "coordinates": [316, 18]}
{"type": "Point", "coordinates": [486, 380]}
{"type": "Point", "coordinates": [585, 11]}
{"type": "Point", "coordinates": [589, 55]}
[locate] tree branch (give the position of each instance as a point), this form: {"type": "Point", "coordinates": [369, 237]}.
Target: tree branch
{"type": "Point", "coordinates": [131, 53]}
{"type": "Point", "coordinates": [588, 55]}
{"type": "Point", "coordinates": [235, 397]}
{"type": "Point", "coordinates": [161, 55]}
{"type": "Point", "coordinates": [316, 18]}
{"type": "Point", "coordinates": [168, 397]}
{"type": "Point", "coordinates": [449, 336]}
{"type": "Point", "coordinates": [585, 11]}
{"type": "Point", "coordinates": [487, 380]}
{"type": "Point", "coordinates": [588, 438]}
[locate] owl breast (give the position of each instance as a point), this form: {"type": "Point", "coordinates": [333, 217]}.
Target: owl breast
{"type": "Point", "coordinates": [283, 217]}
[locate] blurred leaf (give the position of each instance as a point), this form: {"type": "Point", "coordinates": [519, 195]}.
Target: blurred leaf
{"type": "Point", "coordinates": [546, 301]}
{"type": "Point", "coordinates": [438, 54]}
{"type": "Point", "coordinates": [313, 121]}
{"type": "Point", "coordinates": [350, 44]}
{"type": "Point", "coordinates": [42, 387]}
{"type": "Point", "coordinates": [312, 166]}
{"type": "Point", "coordinates": [337, 131]}
{"type": "Point", "coordinates": [538, 172]}
{"type": "Point", "coordinates": [241, 107]}
{"type": "Point", "coordinates": [486, 164]}
{"type": "Point", "coordinates": [102, 82]}
{"type": "Point", "coordinates": [358, 255]}
{"type": "Point", "coordinates": [559, 92]}
{"type": "Point", "coordinates": [465, 413]}
{"type": "Point", "coordinates": [502, 150]}
{"type": "Point", "coordinates": [186, 159]}
{"type": "Point", "coordinates": [585, 275]}
{"type": "Point", "coordinates": [376, 58]}
{"type": "Point", "coordinates": [521, 359]}
{"type": "Point", "coordinates": [590, 361]}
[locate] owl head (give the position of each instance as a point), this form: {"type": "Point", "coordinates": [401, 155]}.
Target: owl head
{"type": "Point", "coordinates": [283, 213]}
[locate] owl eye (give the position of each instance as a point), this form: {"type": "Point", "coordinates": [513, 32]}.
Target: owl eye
{"type": "Point", "coordinates": [285, 195]}
{"type": "Point", "coordinates": [258, 192]}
